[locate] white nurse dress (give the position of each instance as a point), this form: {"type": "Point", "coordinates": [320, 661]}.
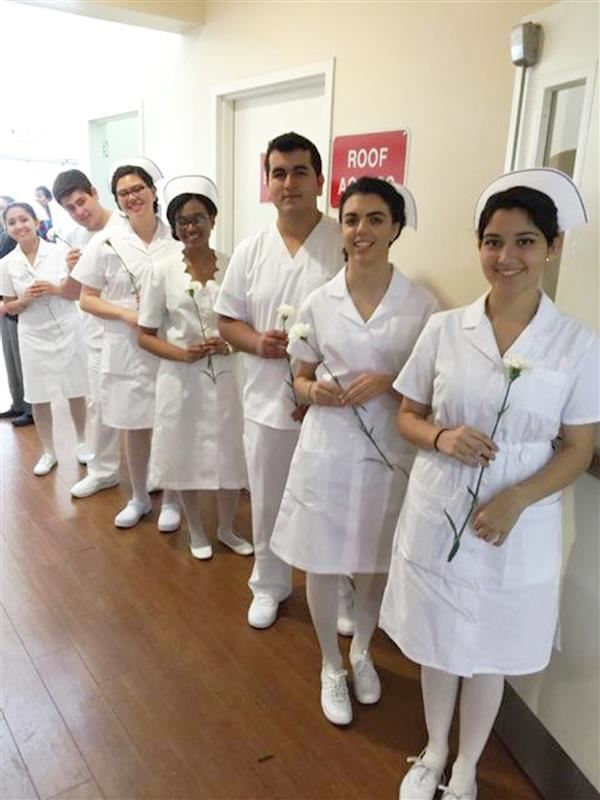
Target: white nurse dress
{"type": "Point", "coordinates": [197, 440]}
{"type": "Point", "coordinates": [51, 342]}
{"type": "Point", "coordinates": [341, 502]}
{"type": "Point", "coordinates": [491, 609]}
{"type": "Point", "coordinates": [128, 373]}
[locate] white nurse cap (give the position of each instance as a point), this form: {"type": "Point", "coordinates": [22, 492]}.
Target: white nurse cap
{"type": "Point", "coordinates": [410, 207]}
{"type": "Point", "coordinates": [142, 162]}
{"type": "Point", "coordinates": [190, 184]}
{"type": "Point", "coordinates": [558, 186]}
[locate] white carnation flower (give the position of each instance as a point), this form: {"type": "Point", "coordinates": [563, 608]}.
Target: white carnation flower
{"type": "Point", "coordinates": [516, 364]}
{"type": "Point", "coordinates": [284, 312]}
{"type": "Point", "coordinates": [299, 332]}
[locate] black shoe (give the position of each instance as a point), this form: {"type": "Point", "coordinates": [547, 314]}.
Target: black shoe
{"type": "Point", "coordinates": [24, 419]}
{"type": "Point", "coordinates": [10, 414]}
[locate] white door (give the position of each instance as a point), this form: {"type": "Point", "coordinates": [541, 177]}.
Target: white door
{"type": "Point", "coordinates": [249, 114]}
{"type": "Point", "coordinates": [560, 129]}
{"type": "Point", "coordinates": [256, 121]}
{"type": "Point", "coordinates": [111, 139]}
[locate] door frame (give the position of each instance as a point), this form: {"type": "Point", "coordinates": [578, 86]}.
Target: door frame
{"type": "Point", "coordinates": [223, 103]}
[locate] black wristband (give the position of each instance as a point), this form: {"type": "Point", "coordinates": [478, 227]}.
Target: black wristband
{"type": "Point", "coordinates": [437, 436]}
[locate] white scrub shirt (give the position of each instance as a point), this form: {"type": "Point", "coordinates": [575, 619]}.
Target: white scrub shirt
{"type": "Point", "coordinates": [197, 438]}
{"type": "Point", "coordinates": [51, 342]}
{"type": "Point", "coordinates": [262, 275]}
{"type": "Point", "coordinates": [491, 609]}
{"type": "Point", "coordinates": [79, 237]}
{"type": "Point", "coordinates": [128, 376]}
{"type": "Point", "coordinates": [341, 503]}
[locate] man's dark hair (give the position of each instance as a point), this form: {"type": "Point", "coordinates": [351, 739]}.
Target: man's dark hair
{"type": "Point", "coordinates": [287, 143]}
{"type": "Point", "coordinates": [71, 180]}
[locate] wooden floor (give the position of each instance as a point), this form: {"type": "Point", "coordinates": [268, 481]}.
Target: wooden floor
{"type": "Point", "coordinates": [129, 670]}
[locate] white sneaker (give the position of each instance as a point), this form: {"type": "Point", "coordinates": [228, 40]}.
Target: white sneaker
{"type": "Point", "coordinates": [45, 464]}
{"type": "Point", "coordinates": [169, 518]}
{"type": "Point", "coordinates": [263, 611]}
{"type": "Point", "coordinates": [203, 552]}
{"type": "Point", "coordinates": [89, 485]}
{"type": "Point", "coordinates": [448, 794]}
{"type": "Point", "coordinates": [365, 680]}
{"type": "Point", "coordinates": [83, 453]}
{"type": "Point", "coordinates": [335, 699]}
{"type": "Point", "coordinates": [234, 542]}
{"type": "Point", "coordinates": [421, 781]}
{"type": "Point", "coordinates": [132, 514]}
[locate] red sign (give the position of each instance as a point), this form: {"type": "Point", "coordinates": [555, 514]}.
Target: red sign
{"type": "Point", "coordinates": [380, 155]}
{"type": "Point", "coordinates": [263, 191]}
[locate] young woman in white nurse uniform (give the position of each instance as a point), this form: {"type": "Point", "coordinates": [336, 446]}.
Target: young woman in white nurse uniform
{"type": "Point", "coordinates": [344, 490]}
{"type": "Point", "coordinates": [492, 609]}
{"type": "Point", "coordinates": [34, 285]}
{"type": "Point", "coordinates": [117, 265]}
{"type": "Point", "coordinates": [197, 439]}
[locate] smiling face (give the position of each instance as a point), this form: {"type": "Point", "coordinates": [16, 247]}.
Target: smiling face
{"type": "Point", "coordinates": [193, 224]}
{"type": "Point", "coordinates": [293, 183]}
{"type": "Point", "coordinates": [367, 229]}
{"type": "Point", "coordinates": [134, 197]}
{"type": "Point", "coordinates": [84, 209]}
{"type": "Point", "coordinates": [513, 252]}
{"type": "Point", "coordinates": [21, 226]}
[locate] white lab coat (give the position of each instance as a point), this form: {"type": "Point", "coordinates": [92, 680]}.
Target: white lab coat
{"type": "Point", "coordinates": [341, 502]}
{"type": "Point", "coordinates": [197, 441]}
{"type": "Point", "coordinates": [262, 275]}
{"type": "Point", "coordinates": [491, 609]}
{"type": "Point", "coordinates": [51, 341]}
{"type": "Point", "coordinates": [128, 378]}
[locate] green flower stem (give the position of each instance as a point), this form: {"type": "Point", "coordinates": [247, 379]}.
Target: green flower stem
{"type": "Point", "coordinates": [513, 375]}
{"type": "Point", "coordinates": [135, 289]}
{"type": "Point", "coordinates": [211, 369]}
{"type": "Point", "coordinates": [368, 433]}
{"type": "Point", "coordinates": [290, 371]}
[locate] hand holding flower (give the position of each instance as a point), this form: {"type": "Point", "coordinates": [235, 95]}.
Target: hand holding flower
{"type": "Point", "coordinates": [365, 387]}
{"type": "Point", "coordinates": [493, 521]}
{"type": "Point", "coordinates": [198, 351]}
{"type": "Point", "coordinates": [272, 344]}
{"type": "Point", "coordinates": [467, 445]}
{"type": "Point", "coordinates": [73, 257]}
{"type": "Point", "coordinates": [41, 288]}
{"type": "Point", "coordinates": [326, 393]}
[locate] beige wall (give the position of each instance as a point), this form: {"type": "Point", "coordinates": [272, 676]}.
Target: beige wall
{"type": "Point", "coordinates": [442, 70]}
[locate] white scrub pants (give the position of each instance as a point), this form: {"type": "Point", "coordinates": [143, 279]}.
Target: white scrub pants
{"type": "Point", "coordinates": [103, 441]}
{"type": "Point", "coordinates": [269, 454]}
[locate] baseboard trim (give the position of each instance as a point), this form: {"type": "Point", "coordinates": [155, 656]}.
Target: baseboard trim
{"type": "Point", "coordinates": [554, 774]}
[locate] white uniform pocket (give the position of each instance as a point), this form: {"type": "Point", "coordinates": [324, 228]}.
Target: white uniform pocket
{"type": "Point", "coordinates": [534, 546]}
{"type": "Point", "coordinates": [541, 391]}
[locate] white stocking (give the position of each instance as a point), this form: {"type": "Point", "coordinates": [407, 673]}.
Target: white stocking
{"type": "Point", "coordinates": [439, 698]}
{"type": "Point", "coordinates": [322, 596]}
{"type": "Point", "coordinates": [170, 497]}
{"type": "Point", "coordinates": [78, 411]}
{"type": "Point", "coordinates": [192, 508]}
{"type": "Point", "coordinates": [227, 500]}
{"type": "Point", "coordinates": [42, 414]}
{"type": "Point", "coordinates": [367, 602]}
{"type": "Point", "coordinates": [137, 448]}
{"type": "Point", "coordinates": [480, 699]}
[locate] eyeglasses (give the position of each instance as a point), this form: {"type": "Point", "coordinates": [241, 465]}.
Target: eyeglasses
{"type": "Point", "coordinates": [123, 194]}
{"type": "Point", "coordinates": [196, 220]}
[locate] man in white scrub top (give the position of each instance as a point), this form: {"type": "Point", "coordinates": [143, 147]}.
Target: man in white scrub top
{"type": "Point", "coordinates": [74, 192]}
{"type": "Point", "coordinates": [279, 266]}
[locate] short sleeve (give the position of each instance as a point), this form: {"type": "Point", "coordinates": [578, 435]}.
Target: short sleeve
{"type": "Point", "coordinates": [153, 301]}
{"type": "Point", "coordinates": [307, 348]}
{"type": "Point", "coordinates": [89, 270]}
{"type": "Point", "coordinates": [583, 403]}
{"type": "Point", "coordinates": [231, 300]}
{"type": "Point", "coordinates": [415, 380]}
{"type": "Point", "coordinates": [7, 288]}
